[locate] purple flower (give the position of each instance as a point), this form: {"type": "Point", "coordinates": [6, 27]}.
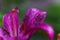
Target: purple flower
{"type": "Point", "coordinates": [33, 21]}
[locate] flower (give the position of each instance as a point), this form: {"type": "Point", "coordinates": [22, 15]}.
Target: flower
{"type": "Point", "coordinates": [33, 21]}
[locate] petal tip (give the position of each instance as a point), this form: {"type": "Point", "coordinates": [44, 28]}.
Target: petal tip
{"type": "Point", "coordinates": [44, 12]}
{"type": "Point", "coordinates": [15, 10]}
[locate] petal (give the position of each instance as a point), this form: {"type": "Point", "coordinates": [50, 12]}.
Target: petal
{"type": "Point", "coordinates": [49, 29]}
{"type": "Point", "coordinates": [32, 13]}
{"type": "Point", "coordinates": [11, 23]}
{"type": "Point", "coordinates": [3, 34]}
{"type": "Point", "coordinates": [26, 36]}
{"type": "Point", "coordinates": [33, 16]}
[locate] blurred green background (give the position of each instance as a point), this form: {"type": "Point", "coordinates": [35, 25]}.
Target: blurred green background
{"type": "Point", "coordinates": [51, 6]}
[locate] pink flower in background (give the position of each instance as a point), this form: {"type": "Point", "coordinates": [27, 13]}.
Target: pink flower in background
{"type": "Point", "coordinates": [33, 21]}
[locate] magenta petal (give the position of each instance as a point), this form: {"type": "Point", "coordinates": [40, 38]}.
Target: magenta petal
{"type": "Point", "coordinates": [27, 36]}
{"type": "Point", "coordinates": [3, 36]}
{"type": "Point", "coordinates": [11, 23]}
{"type": "Point", "coordinates": [49, 29]}
{"type": "Point", "coordinates": [32, 13]}
{"type": "Point", "coordinates": [32, 16]}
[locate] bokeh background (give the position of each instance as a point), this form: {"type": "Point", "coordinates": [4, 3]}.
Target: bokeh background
{"type": "Point", "coordinates": [51, 6]}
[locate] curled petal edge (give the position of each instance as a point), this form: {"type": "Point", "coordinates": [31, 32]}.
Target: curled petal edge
{"type": "Point", "coordinates": [49, 29]}
{"type": "Point", "coordinates": [46, 27]}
